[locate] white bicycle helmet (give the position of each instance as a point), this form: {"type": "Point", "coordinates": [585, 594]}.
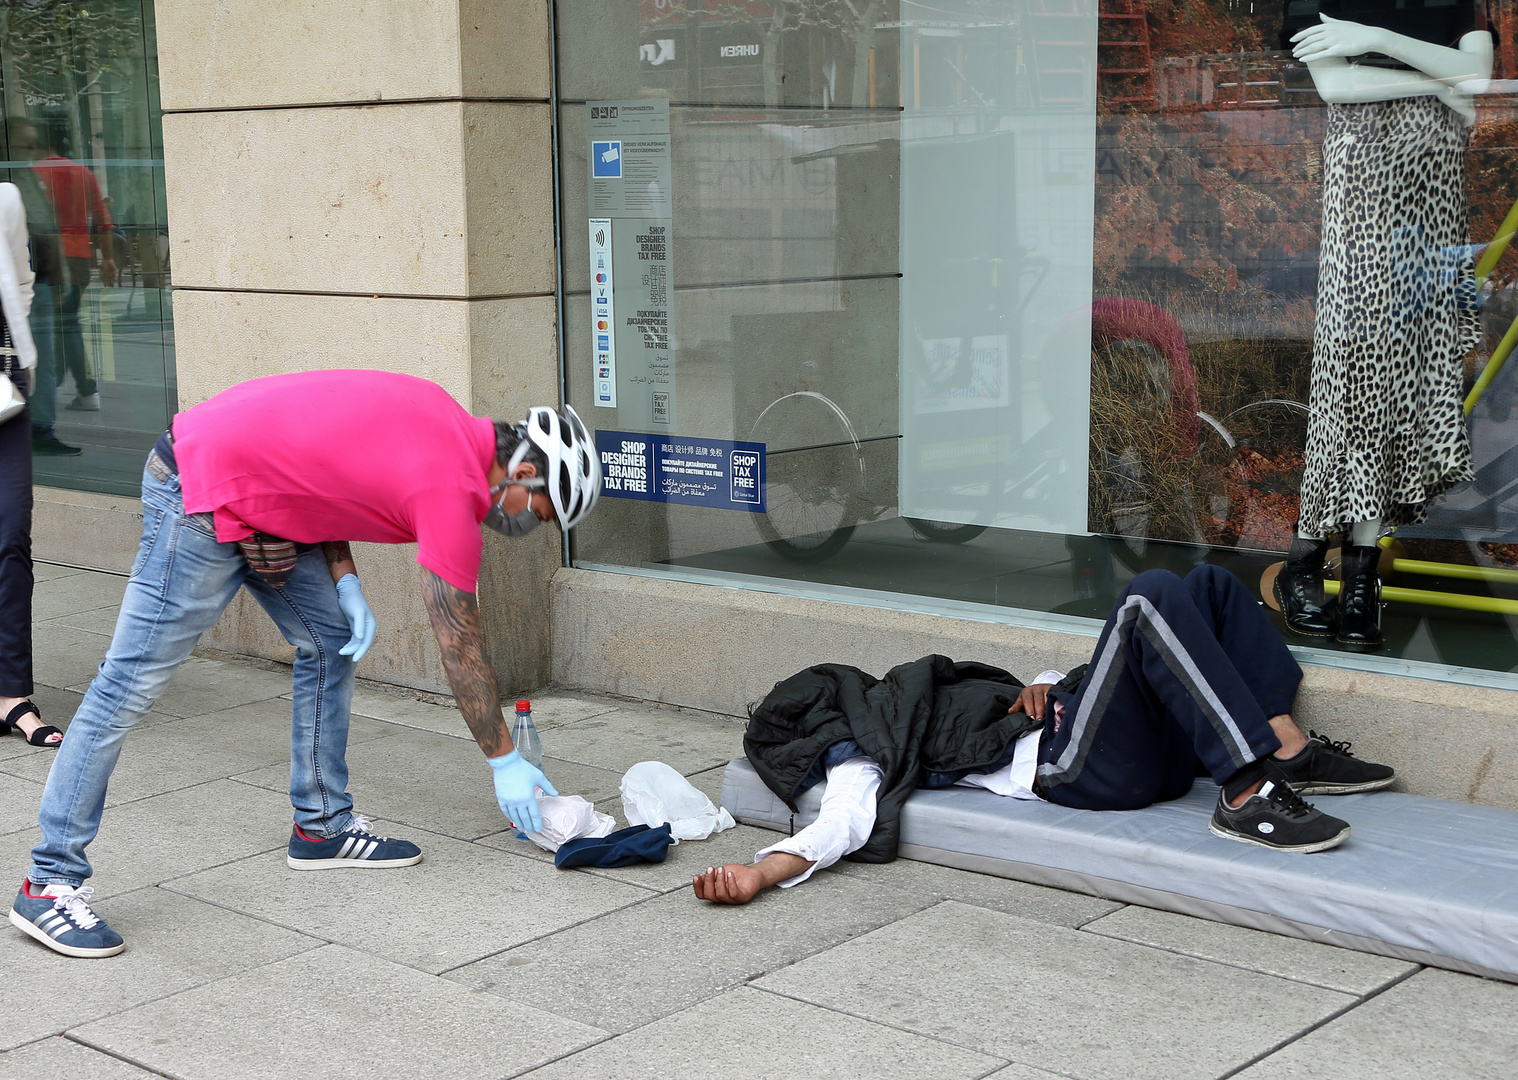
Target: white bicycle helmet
{"type": "Point", "coordinates": [572, 469]}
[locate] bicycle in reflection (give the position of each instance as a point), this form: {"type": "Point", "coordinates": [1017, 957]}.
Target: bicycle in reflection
{"type": "Point", "coordinates": [1192, 478]}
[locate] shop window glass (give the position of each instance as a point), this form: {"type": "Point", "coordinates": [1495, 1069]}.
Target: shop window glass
{"type": "Point", "coordinates": [1015, 298]}
{"type": "Point", "coordinates": [83, 143]}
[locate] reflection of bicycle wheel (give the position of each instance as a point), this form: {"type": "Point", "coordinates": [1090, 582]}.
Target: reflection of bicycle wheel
{"type": "Point", "coordinates": [1267, 477]}
{"type": "Point", "coordinates": [1216, 486]}
{"type": "Point", "coordinates": [1209, 508]}
{"type": "Point", "coordinates": [944, 532]}
{"type": "Point", "coordinates": [814, 476]}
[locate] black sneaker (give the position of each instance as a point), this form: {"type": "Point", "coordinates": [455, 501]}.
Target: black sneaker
{"type": "Point", "coordinates": [1277, 818]}
{"type": "Point", "coordinates": [1325, 767]}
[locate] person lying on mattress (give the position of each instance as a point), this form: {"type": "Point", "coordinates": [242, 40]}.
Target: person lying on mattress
{"type": "Point", "coordinates": [1185, 674]}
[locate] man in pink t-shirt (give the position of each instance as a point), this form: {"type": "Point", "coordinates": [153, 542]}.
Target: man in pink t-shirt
{"type": "Point", "coordinates": [264, 487]}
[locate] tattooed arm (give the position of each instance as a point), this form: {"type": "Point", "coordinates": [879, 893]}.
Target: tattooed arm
{"type": "Point", "coordinates": [456, 622]}
{"type": "Point", "coordinates": [339, 558]}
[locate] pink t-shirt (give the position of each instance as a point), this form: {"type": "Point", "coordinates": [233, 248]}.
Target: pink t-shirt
{"type": "Point", "coordinates": [342, 455]}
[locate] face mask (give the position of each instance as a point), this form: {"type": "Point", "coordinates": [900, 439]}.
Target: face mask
{"type": "Point", "coordinates": [518, 524]}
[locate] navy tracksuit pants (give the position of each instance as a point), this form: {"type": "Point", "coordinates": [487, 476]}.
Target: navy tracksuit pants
{"type": "Point", "coordinates": [1184, 670]}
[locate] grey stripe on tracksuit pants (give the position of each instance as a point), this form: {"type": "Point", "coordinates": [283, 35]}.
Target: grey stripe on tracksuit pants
{"type": "Point", "coordinates": [1184, 670]}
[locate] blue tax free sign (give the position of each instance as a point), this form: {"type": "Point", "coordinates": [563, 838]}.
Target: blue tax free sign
{"type": "Point", "coordinates": [681, 469]}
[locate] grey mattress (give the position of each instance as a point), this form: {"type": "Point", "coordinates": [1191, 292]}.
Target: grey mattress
{"type": "Point", "coordinates": [1425, 880]}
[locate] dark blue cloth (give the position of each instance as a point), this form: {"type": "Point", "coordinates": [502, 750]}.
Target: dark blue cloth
{"type": "Point", "coordinates": [625, 847]}
{"type": "Point", "coordinates": [1184, 670]}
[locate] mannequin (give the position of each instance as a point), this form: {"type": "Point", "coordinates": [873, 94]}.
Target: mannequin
{"type": "Point", "coordinates": [1394, 314]}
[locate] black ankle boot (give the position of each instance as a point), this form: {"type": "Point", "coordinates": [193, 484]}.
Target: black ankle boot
{"type": "Point", "coordinates": [1299, 589]}
{"type": "Point", "coordinates": [1360, 600]}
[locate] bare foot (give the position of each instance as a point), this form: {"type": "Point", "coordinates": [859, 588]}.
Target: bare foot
{"type": "Point", "coordinates": [730, 884]}
{"type": "Point", "coordinates": [1292, 739]}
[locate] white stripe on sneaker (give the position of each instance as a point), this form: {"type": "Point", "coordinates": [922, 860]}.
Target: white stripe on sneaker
{"type": "Point", "coordinates": [368, 850]}
{"type": "Point", "coordinates": [343, 854]}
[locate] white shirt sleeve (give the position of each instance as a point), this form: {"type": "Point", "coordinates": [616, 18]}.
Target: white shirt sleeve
{"type": "Point", "coordinates": [1016, 780]}
{"type": "Point", "coordinates": [844, 822]}
{"type": "Point", "coordinates": [1047, 677]}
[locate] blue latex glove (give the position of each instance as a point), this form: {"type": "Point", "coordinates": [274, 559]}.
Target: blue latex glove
{"type": "Point", "coordinates": [515, 782]}
{"type": "Point", "coordinates": [350, 597]}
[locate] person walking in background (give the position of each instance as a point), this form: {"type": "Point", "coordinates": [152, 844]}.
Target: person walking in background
{"type": "Point", "coordinates": [83, 222]}
{"type": "Point", "coordinates": [51, 277]}
{"type": "Point", "coordinates": [19, 359]}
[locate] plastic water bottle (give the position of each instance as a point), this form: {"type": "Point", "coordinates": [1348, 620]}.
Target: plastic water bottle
{"type": "Point", "coordinates": [525, 735]}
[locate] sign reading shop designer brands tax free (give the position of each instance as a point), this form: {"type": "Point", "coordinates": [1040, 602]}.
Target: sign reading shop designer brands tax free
{"type": "Point", "coordinates": [681, 469]}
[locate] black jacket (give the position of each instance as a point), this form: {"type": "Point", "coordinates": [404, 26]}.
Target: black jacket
{"type": "Point", "coordinates": [931, 715]}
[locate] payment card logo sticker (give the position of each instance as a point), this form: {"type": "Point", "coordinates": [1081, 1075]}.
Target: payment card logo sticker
{"type": "Point", "coordinates": [606, 159]}
{"type": "Point", "coordinates": [603, 310]}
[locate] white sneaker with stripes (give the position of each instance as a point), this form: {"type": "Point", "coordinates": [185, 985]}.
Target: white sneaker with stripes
{"type": "Point", "coordinates": [356, 846]}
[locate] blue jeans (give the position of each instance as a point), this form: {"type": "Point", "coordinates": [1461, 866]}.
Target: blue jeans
{"type": "Point", "coordinates": [180, 584]}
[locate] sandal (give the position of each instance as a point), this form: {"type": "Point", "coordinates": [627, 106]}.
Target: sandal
{"type": "Point", "coordinates": [37, 738]}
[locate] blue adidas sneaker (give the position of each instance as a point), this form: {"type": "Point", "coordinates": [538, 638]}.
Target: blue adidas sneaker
{"type": "Point", "coordinates": [356, 846]}
{"type": "Point", "coordinates": [59, 916]}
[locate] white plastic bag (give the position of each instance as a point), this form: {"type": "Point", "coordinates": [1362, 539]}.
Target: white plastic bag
{"type": "Point", "coordinates": [653, 793]}
{"type": "Point", "coordinates": [566, 818]}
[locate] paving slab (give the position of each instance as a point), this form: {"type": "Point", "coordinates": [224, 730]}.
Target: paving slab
{"type": "Point", "coordinates": [161, 959]}
{"type": "Point", "coordinates": [76, 593]}
{"type": "Point", "coordinates": [170, 755]}
{"type": "Point", "coordinates": [992, 982]}
{"type": "Point", "coordinates": [59, 1057]}
{"type": "Point", "coordinates": [1436, 1024]}
{"type": "Point", "coordinates": [96, 621]}
{"type": "Point", "coordinates": [502, 900]}
{"type": "Point", "coordinates": [683, 860]}
{"type": "Point", "coordinates": [442, 785]}
{"type": "Point", "coordinates": [622, 738]}
{"type": "Point", "coordinates": [935, 883]}
{"type": "Point", "coordinates": [203, 686]}
{"type": "Point", "coordinates": [43, 571]}
{"type": "Point", "coordinates": [137, 845]}
{"type": "Point", "coordinates": [641, 963]}
{"type": "Point", "coordinates": [752, 1033]}
{"type": "Point", "coordinates": [1289, 958]}
{"type": "Point", "coordinates": [66, 656]}
{"type": "Point", "coordinates": [1023, 1072]}
{"type": "Point", "coordinates": [549, 711]}
{"type": "Point", "coordinates": [403, 1025]}
{"type": "Point", "coordinates": [19, 799]}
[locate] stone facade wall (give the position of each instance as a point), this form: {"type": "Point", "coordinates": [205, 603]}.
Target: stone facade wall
{"type": "Point", "coordinates": [371, 185]}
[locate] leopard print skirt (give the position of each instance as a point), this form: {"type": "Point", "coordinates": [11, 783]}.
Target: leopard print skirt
{"type": "Point", "coordinates": [1395, 317]}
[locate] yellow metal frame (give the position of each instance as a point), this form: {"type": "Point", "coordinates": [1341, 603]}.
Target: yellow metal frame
{"type": "Point", "coordinates": [1433, 598]}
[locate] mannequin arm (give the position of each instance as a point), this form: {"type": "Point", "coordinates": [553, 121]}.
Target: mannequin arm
{"type": "Point", "coordinates": [1336, 38]}
{"type": "Point", "coordinates": [1452, 75]}
{"type": "Point", "coordinates": [1338, 81]}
